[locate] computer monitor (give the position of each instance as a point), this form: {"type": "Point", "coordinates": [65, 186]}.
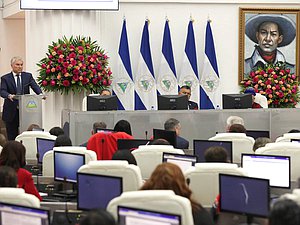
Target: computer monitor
{"type": "Point", "coordinates": [273, 167]}
{"type": "Point", "coordinates": [20, 215]}
{"type": "Point", "coordinates": [102, 103]}
{"type": "Point", "coordinates": [258, 133]}
{"type": "Point", "coordinates": [244, 195]}
{"type": "Point", "coordinates": [183, 161]}
{"type": "Point", "coordinates": [102, 130]}
{"type": "Point", "coordinates": [237, 101]}
{"type": "Point", "coordinates": [172, 102]}
{"type": "Point", "coordinates": [295, 140]}
{"type": "Point", "coordinates": [66, 165]}
{"type": "Point", "coordinates": [96, 191]}
{"type": "Point", "coordinates": [200, 146]}
{"type": "Point", "coordinates": [131, 143]}
{"type": "Point", "coordinates": [130, 215]}
{"type": "Point", "coordinates": [43, 145]}
{"type": "Point", "coordinates": [168, 135]}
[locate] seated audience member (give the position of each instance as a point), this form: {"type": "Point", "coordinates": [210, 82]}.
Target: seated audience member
{"type": "Point", "coordinates": [123, 126]}
{"type": "Point", "coordinates": [285, 212]}
{"type": "Point", "coordinates": [261, 142]}
{"type": "Point", "coordinates": [33, 127]}
{"type": "Point", "coordinates": [237, 128]}
{"type": "Point", "coordinates": [105, 92]}
{"type": "Point", "coordinates": [160, 141]}
{"type": "Point", "coordinates": [3, 140]}
{"type": "Point", "coordinates": [96, 126]}
{"type": "Point", "coordinates": [186, 90]}
{"type": "Point", "coordinates": [168, 176]}
{"type": "Point", "coordinates": [13, 155]}
{"type": "Point", "coordinates": [216, 154]}
{"type": "Point", "coordinates": [97, 217]}
{"type": "Point", "coordinates": [251, 90]}
{"type": "Point", "coordinates": [8, 177]}
{"type": "Point", "coordinates": [294, 131]}
{"type": "Point", "coordinates": [62, 140]}
{"type": "Point", "coordinates": [56, 131]}
{"type": "Point", "coordinates": [124, 155]}
{"type": "Point", "coordinates": [174, 125]}
{"type": "Point", "coordinates": [233, 120]}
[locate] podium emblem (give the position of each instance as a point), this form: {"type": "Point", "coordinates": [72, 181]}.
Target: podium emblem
{"type": "Point", "coordinates": [31, 104]}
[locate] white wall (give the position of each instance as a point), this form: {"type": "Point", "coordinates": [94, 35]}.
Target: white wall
{"type": "Point", "coordinates": [44, 26]}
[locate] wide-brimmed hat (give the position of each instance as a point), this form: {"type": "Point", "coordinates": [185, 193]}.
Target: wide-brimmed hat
{"type": "Point", "coordinates": [287, 26]}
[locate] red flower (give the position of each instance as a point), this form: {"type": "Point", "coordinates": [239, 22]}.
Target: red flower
{"type": "Point", "coordinates": [52, 83]}
{"type": "Point", "coordinates": [95, 80]}
{"type": "Point", "coordinates": [66, 83]}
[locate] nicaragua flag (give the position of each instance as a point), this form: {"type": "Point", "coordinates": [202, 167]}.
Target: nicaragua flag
{"type": "Point", "coordinates": [145, 95]}
{"type": "Point", "coordinates": [166, 80]}
{"type": "Point", "coordinates": [210, 95]}
{"type": "Point", "coordinates": [189, 70]}
{"type": "Point", "coordinates": [123, 85]}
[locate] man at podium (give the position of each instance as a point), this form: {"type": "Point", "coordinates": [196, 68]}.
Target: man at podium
{"type": "Point", "coordinates": [15, 83]}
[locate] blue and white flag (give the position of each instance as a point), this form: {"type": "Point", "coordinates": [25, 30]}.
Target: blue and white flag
{"type": "Point", "coordinates": [189, 70]}
{"type": "Point", "coordinates": [166, 80]}
{"type": "Point", "coordinates": [210, 95]}
{"type": "Point", "coordinates": [145, 96]}
{"type": "Point", "coordinates": [123, 85]}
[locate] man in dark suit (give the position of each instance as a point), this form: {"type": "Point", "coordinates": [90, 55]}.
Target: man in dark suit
{"type": "Point", "coordinates": [186, 90]}
{"type": "Point", "coordinates": [174, 125]}
{"type": "Point", "coordinates": [15, 83]}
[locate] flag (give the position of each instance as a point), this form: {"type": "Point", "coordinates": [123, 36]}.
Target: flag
{"type": "Point", "coordinates": [166, 80]}
{"type": "Point", "coordinates": [189, 69]}
{"type": "Point", "coordinates": [210, 95]}
{"type": "Point", "coordinates": [145, 96]}
{"type": "Point", "coordinates": [123, 85]}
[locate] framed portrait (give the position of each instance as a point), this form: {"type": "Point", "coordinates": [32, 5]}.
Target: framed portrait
{"type": "Point", "coordinates": [268, 36]}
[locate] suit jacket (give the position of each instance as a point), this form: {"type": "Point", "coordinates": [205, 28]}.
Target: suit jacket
{"type": "Point", "coordinates": [8, 86]}
{"type": "Point", "coordinates": [193, 105]}
{"type": "Point", "coordinates": [25, 181]}
{"type": "Point", "coordinates": [181, 143]}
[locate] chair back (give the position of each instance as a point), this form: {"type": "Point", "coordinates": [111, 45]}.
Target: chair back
{"type": "Point", "coordinates": [157, 200]}
{"type": "Point", "coordinates": [19, 197]}
{"type": "Point", "coordinates": [48, 161]}
{"type": "Point", "coordinates": [240, 144]}
{"type": "Point", "coordinates": [204, 180]}
{"type": "Point", "coordinates": [28, 139]}
{"type": "Point", "coordinates": [105, 144]}
{"type": "Point", "coordinates": [131, 174]}
{"type": "Point", "coordinates": [149, 156]}
{"type": "Point", "coordinates": [285, 149]}
{"type": "Point", "coordinates": [287, 137]}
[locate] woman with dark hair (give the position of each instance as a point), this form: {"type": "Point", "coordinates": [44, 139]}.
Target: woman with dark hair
{"type": "Point", "coordinates": [123, 126]}
{"type": "Point", "coordinates": [8, 177]}
{"type": "Point", "coordinates": [13, 155]}
{"type": "Point", "coordinates": [98, 217]}
{"type": "Point", "coordinates": [62, 140]}
{"type": "Point", "coordinates": [285, 212]}
{"type": "Point", "coordinates": [168, 176]}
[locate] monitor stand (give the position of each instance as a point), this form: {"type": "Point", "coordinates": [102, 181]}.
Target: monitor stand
{"type": "Point", "coordinates": [67, 193]}
{"type": "Point", "coordinates": [249, 221]}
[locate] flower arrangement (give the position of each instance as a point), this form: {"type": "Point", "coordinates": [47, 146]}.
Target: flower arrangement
{"type": "Point", "coordinates": [74, 64]}
{"type": "Point", "coordinates": [276, 82]}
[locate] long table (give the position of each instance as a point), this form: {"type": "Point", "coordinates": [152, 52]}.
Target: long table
{"type": "Point", "coordinates": [196, 124]}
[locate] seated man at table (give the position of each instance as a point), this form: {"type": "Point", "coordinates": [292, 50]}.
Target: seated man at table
{"type": "Point", "coordinates": [174, 125]}
{"type": "Point", "coordinates": [186, 90]}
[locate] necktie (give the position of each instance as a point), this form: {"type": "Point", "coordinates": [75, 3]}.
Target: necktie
{"type": "Point", "coordinates": [19, 86]}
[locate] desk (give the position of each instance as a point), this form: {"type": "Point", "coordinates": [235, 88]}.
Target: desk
{"type": "Point", "coordinates": [196, 124]}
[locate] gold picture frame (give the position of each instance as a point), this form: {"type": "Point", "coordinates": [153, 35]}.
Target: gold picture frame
{"type": "Point", "coordinates": [251, 42]}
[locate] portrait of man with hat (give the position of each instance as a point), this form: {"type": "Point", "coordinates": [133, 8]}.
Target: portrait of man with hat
{"type": "Point", "coordinates": [269, 32]}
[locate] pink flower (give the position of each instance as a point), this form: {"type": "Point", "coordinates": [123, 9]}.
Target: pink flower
{"type": "Point", "coordinates": [44, 83]}
{"type": "Point", "coordinates": [75, 77]}
{"type": "Point", "coordinates": [275, 76]}
{"type": "Point", "coordinates": [52, 83]}
{"type": "Point", "coordinates": [44, 66]}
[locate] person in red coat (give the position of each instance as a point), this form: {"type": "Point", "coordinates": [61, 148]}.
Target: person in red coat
{"type": "Point", "coordinates": [13, 155]}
